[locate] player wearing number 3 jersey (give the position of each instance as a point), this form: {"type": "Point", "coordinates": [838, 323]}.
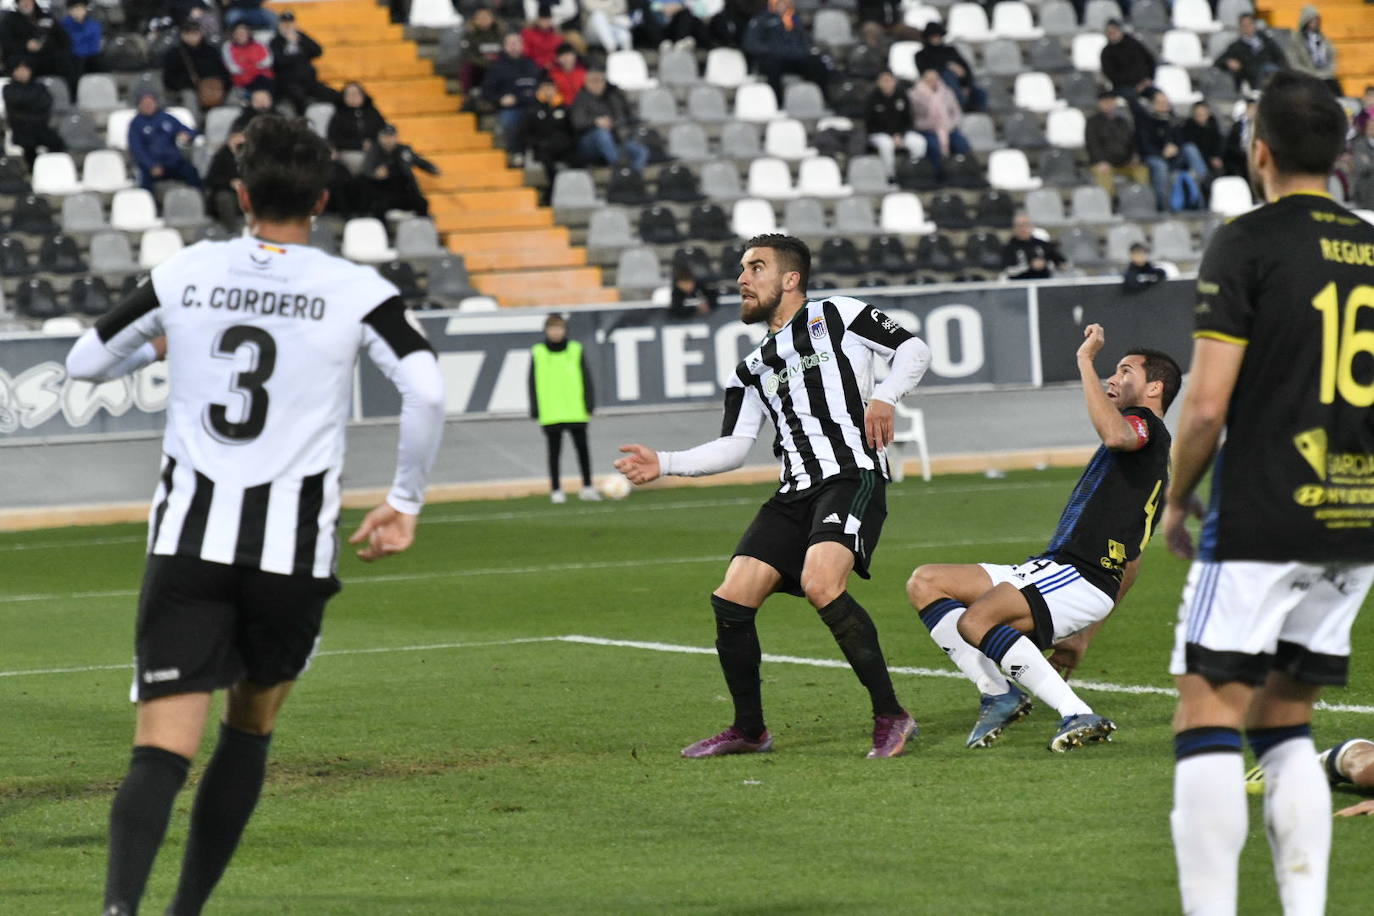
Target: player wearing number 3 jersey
{"type": "Point", "coordinates": [1284, 363]}
{"type": "Point", "coordinates": [261, 335]}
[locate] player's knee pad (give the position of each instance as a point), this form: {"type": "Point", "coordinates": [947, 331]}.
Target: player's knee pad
{"type": "Point", "coordinates": [728, 613]}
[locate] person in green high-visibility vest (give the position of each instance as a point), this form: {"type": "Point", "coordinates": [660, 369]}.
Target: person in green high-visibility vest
{"type": "Point", "coordinates": [561, 400]}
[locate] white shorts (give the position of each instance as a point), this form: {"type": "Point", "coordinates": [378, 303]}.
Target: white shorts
{"type": "Point", "coordinates": [1072, 602]}
{"type": "Point", "coordinates": [1239, 619]}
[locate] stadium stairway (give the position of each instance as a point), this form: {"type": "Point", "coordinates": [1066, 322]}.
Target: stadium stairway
{"type": "Point", "coordinates": [1348, 23]}
{"type": "Point", "coordinates": [513, 250]}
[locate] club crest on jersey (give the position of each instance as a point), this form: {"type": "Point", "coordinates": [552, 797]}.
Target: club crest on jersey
{"type": "Point", "coordinates": [817, 328]}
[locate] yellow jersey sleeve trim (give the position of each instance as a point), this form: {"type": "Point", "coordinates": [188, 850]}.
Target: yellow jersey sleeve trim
{"type": "Point", "coordinates": [1224, 338]}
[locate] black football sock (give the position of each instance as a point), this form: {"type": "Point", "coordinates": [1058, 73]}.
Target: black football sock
{"type": "Point", "coordinates": [228, 793]}
{"type": "Point", "coordinates": [138, 821]}
{"type": "Point", "coordinates": [737, 644]}
{"type": "Point", "coordinates": [853, 629]}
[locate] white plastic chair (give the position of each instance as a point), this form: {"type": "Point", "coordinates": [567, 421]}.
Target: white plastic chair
{"type": "Point", "coordinates": [1182, 48]}
{"type": "Point", "coordinates": [117, 127]}
{"type": "Point", "coordinates": [752, 217]}
{"type": "Point", "coordinates": [1177, 85]}
{"type": "Point", "coordinates": [1012, 19]}
{"type": "Point", "coordinates": [914, 433]}
{"type": "Point", "coordinates": [967, 22]}
{"type": "Point", "coordinates": [919, 16]}
{"type": "Point", "coordinates": [133, 210]}
{"type": "Point", "coordinates": [771, 179]}
{"type": "Point", "coordinates": [1008, 170]}
{"type": "Point", "coordinates": [1035, 92]}
{"type": "Point", "coordinates": [629, 71]}
{"type": "Point", "coordinates": [1195, 16]}
{"type": "Point", "coordinates": [785, 138]}
{"type": "Point", "coordinates": [903, 214]}
{"type": "Point", "coordinates": [364, 239]}
{"type": "Point", "coordinates": [1231, 196]}
{"type": "Point", "coordinates": [901, 59]}
{"type": "Point", "coordinates": [726, 67]}
{"type": "Point", "coordinates": [820, 177]}
{"type": "Point", "coordinates": [1065, 128]}
{"type": "Point", "coordinates": [55, 173]}
{"type": "Point", "coordinates": [755, 102]}
{"type": "Point", "coordinates": [156, 246]}
{"type": "Point", "coordinates": [1087, 51]}
{"type": "Point", "coordinates": [434, 14]}
{"type": "Point", "coordinates": [104, 171]}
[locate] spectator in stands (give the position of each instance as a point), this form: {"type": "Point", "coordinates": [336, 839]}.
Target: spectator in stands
{"type": "Point", "coordinates": [1109, 137]}
{"type": "Point", "coordinates": [1176, 168]}
{"type": "Point", "coordinates": [952, 66]}
{"type": "Point", "coordinates": [250, 13]}
{"type": "Point", "coordinates": [1366, 112]}
{"type": "Point", "coordinates": [1140, 274]}
{"type": "Point", "coordinates": [1362, 168]}
{"type": "Point", "coordinates": [608, 21]}
{"type": "Point", "coordinates": [545, 133]}
{"type": "Point", "coordinates": [1312, 52]}
{"type": "Point", "coordinates": [1252, 57]}
{"type": "Point", "coordinates": [778, 43]}
{"type": "Point", "coordinates": [156, 139]}
{"type": "Point", "coordinates": [356, 123]}
{"type": "Point", "coordinates": [672, 21]}
{"type": "Point", "coordinates": [389, 171]}
{"type": "Point", "coordinates": [888, 120]}
{"type": "Point", "coordinates": [1026, 256]}
{"type": "Point", "coordinates": [510, 85]}
{"type": "Point", "coordinates": [1126, 63]}
{"type": "Point", "coordinates": [28, 109]}
{"type": "Point", "coordinates": [690, 299]}
{"type": "Point", "coordinates": [601, 118]}
{"type": "Point", "coordinates": [541, 39]}
{"type": "Point", "coordinates": [1235, 153]}
{"type": "Point", "coordinates": [87, 37]}
{"type": "Point", "coordinates": [260, 102]}
{"type": "Point", "coordinates": [482, 39]}
{"type": "Point", "coordinates": [211, 26]}
{"type": "Point", "coordinates": [936, 114]}
{"type": "Point", "coordinates": [28, 32]}
{"type": "Point", "coordinates": [729, 25]}
{"type": "Point", "coordinates": [248, 60]}
{"type": "Point", "coordinates": [193, 69]}
{"type": "Point", "coordinates": [1202, 133]}
{"type": "Point", "coordinates": [567, 73]}
{"type": "Point", "coordinates": [346, 196]}
{"type": "Point", "coordinates": [221, 199]}
{"type": "Point", "coordinates": [293, 53]}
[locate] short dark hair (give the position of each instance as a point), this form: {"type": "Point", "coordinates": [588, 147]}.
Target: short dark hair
{"type": "Point", "coordinates": [285, 166]}
{"type": "Point", "coordinates": [1302, 123]}
{"type": "Point", "coordinates": [792, 253]}
{"type": "Point", "coordinates": [555, 320]}
{"type": "Point", "coordinates": [1160, 367]}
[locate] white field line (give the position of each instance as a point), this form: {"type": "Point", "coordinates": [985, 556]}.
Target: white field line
{"type": "Point", "coordinates": [438, 518]}
{"type": "Point", "coordinates": [719, 558]}
{"type": "Point", "coordinates": [1098, 686]}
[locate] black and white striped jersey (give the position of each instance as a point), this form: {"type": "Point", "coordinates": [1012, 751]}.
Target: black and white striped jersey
{"type": "Point", "coordinates": [262, 341]}
{"type": "Point", "coordinates": [813, 380]}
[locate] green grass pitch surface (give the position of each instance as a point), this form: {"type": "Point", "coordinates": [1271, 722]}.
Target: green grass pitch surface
{"type": "Point", "coordinates": [417, 771]}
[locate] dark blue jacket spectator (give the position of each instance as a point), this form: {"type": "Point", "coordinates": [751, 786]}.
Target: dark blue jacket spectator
{"type": "Point", "coordinates": [153, 145]}
{"type": "Point", "coordinates": [87, 36]}
{"type": "Point", "coordinates": [510, 84]}
{"type": "Point", "coordinates": [769, 36]}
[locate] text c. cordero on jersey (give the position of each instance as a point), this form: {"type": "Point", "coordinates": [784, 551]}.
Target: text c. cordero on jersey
{"type": "Point", "coordinates": [255, 302]}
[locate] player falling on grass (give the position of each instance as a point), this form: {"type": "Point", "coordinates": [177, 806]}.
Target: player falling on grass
{"type": "Point", "coordinates": [812, 377]}
{"type": "Point", "coordinates": [1349, 764]}
{"type": "Point", "coordinates": [1059, 598]}
{"type": "Point", "coordinates": [1281, 362]}
{"type": "Point", "coordinates": [261, 336]}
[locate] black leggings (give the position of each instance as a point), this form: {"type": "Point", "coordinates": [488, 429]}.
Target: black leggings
{"type": "Point", "coordinates": [553, 436]}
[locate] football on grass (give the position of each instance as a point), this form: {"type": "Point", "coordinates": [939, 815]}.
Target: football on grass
{"type": "Point", "coordinates": [615, 486]}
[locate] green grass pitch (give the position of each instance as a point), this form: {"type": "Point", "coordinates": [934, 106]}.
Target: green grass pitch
{"type": "Point", "coordinates": [429, 763]}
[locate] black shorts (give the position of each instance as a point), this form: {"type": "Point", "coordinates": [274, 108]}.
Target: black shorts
{"type": "Point", "coordinates": [848, 510]}
{"type": "Point", "coordinates": [203, 626]}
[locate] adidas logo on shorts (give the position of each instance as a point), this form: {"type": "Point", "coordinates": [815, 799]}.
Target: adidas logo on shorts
{"type": "Point", "coordinates": [832, 519]}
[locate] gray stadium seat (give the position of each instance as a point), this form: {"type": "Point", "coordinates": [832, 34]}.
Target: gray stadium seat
{"type": "Point", "coordinates": [979, 131]}
{"type": "Point", "coordinates": [61, 96]}
{"type": "Point", "coordinates": [573, 189]}
{"type": "Point", "coordinates": [854, 216]}
{"type": "Point", "coordinates": [804, 217]}
{"type": "Point", "coordinates": [1092, 205]}
{"type": "Point", "coordinates": [78, 131]}
{"type": "Point", "coordinates": [657, 106]}
{"type": "Point", "coordinates": [687, 142]}
{"type": "Point", "coordinates": [1218, 42]}
{"type": "Point", "coordinates": [111, 253]}
{"type": "Point", "coordinates": [678, 68]}
{"type": "Point", "coordinates": [418, 238]}
{"type": "Point", "coordinates": [1137, 202]}
{"type": "Point", "coordinates": [318, 114]}
{"type": "Point", "coordinates": [832, 27]}
{"type": "Point", "coordinates": [868, 175]}
{"type": "Point", "coordinates": [638, 268]}
{"type": "Point", "coordinates": [1218, 88]}
{"type": "Point", "coordinates": [1080, 90]}
{"type": "Point", "coordinates": [1149, 16]}
{"type": "Point", "coordinates": [720, 181]}
{"type": "Point", "coordinates": [1119, 242]}
{"type": "Point", "coordinates": [707, 104]}
{"type": "Point", "coordinates": [609, 228]}
{"type": "Point", "coordinates": [1097, 13]}
{"type": "Point", "coordinates": [1048, 56]}
{"type": "Point", "coordinates": [217, 124]}
{"type": "Point", "coordinates": [1045, 207]}
{"type": "Point", "coordinates": [184, 208]}
{"type": "Point", "coordinates": [1059, 168]}
{"type": "Point", "coordinates": [448, 282]}
{"type": "Point", "coordinates": [1172, 241]}
{"type": "Point", "coordinates": [97, 92]}
{"type": "Point", "coordinates": [1002, 57]}
{"type": "Point", "coordinates": [739, 140]}
{"type": "Point", "coordinates": [1058, 19]}
{"type": "Point", "coordinates": [1229, 11]}
{"type": "Point", "coordinates": [1080, 246]}
{"type": "Point", "coordinates": [1023, 131]}
{"type": "Point", "coordinates": [803, 100]}
{"type": "Point", "coordinates": [82, 213]}
{"type": "Point", "coordinates": [324, 235]}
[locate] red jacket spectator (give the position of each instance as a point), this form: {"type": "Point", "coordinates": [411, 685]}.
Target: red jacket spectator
{"type": "Point", "coordinates": [541, 42]}
{"type": "Point", "coordinates": [567, 73]}
{"type": "Point", "coordinates": [248, 61]}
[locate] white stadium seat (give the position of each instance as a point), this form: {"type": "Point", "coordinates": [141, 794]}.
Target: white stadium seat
{"type": "Point", "coordinates": [785, 138]}
{"type": "Point", "coordinates": [364, 239]}
{"type": "Point", "coordinates": [1182, 48]}
{"type": "Point", "coordinates": [104, 171]}
{"type": "Point", "coordinates": [968, 22]}
{"type": "Point", "coordinates": [1065, 128]}
{"type": "Point", "coordinates": [755, 102]}
{"type": "Point", "coordinates": [753, 217]}
{"type": "Point", "coordinates": [1087, 51]}
{"type": "Point", "coordinates": [629, 71]}
{"type": "Point", "coordinates": [1195, 16]}
{"type": "Point", "coordinates": [901, 59]}
{"type": "Point", "coordinates": [726, 67]}
{"type": "Point", "coordinates": [1008, 170]}
{"type": "Point", "coordinates": [919, 16]}
{"type": "Point", "coordinates": [434, 14]}
{"type": "Point", "coordinates": [770, 178]}
{"type": "Point", "coordinates": [903, 214]}
{"type": "Point", "coordinates": [156, 246]}
{"type": "Point", "coordinates": [820, 177]}
{"type": "Point", "coordinates": [133, 210]}
{"type": "Point", "coordinates": [1035, 92]}
{"type": "Point", "coordinates": [1231, 196]}
{"type": "Point", "coordinates": [1177, 85]}
{"type": "Point", "coordinates": [117, 127]}
{"type": "Point", "coordinates": [1012, 19]}
{"type": "Point", "coordinates": [55, 173]}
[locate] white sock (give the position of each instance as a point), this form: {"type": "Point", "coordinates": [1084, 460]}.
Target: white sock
{"type": "Point", "coordinates": [976, 666]}
{"type": "Point", "coordinates": [1209, 822]}
{"type": "Point", "coordinates": [1297, 814]}
{"type": "Point", "coordinates": [1019, 658]}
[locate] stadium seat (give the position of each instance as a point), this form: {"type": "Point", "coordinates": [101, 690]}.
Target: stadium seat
{"type": "Point", "coordinates": [111, 253]}
{"type": "Point", "coordinates": [679, 184]}
{"type": "Point", "coordinates": [573, 189]}
{"type": "Point", "coordinates": [720, 181]}
{"type": "Point", "coordinates": [995, 210]}
{"type": "Point", "coordinates": [752, 217]}
{"type": "Point", "coordinates": [1216, 87]}
{"type": "Point", "coordinates": [117, 127]}
{"type": "Point", "coordinates": [658, 106]}
{"type": "Point", "coordinates": [708, 222]}
{"type": "Point", "coordinates": [14, 258]}
{"type": "Point", "coordinates": [918, 16]}
{"type": "Point", "coordinates": [1079, 90]}
{"type": "Point", "coordinates": [785, 138]}
{"type": "Point", "coordinates": [97, 92]}
{"type": "Point", "coordinates": [55, 174]}
{"type": "Point", "coordinates": [1058, 19]}
{"type": "Point", "coordinates": [840, 256]}
{"type": "Point", "coordinates": [448, 282]}
{"type": "Point", "coordinates": [886, 254]}
{"type": "Point", "coordinates": [771, 179]}
{"type": "Point", "coordinates": [1195, 16]}
{"type": "Point", "coordinates": [707, 105]}
{"type": "Point", "coordinates": [658, 226]}
{"type": "Point", "coordinates": [964, 172]}
{"type": "Point", "coordinates": [89, 296]}
{"type": "Point", "coordinates": [1008, 170]}
{"type": "Point", "coordinates": [1087, 51]}
{"type": "Point", "coordinates": [1119, 241]}
{"type": "Point", "coordinates": [1177, 85]}
{"type": "Point", "coordinates": [726, 67]}
{"type": "Point", "coordinates": [740, 141]}
{"type": "Point", "coordinates": [219, 120]}
{"type": "Point", "coordinates": [1231, 196]}
{"type": "Point", "coordinates": [479, 304]}
{"type": "Point", "coordinates": [317, 114]}
{"type": "Point", "coordinates": [157, 245]}
{"type": "Point", "coordinates": [1048, 56]}
{"type": "Point", "coordinates": [1150, 16]}
{"type": "Point", "coordinates": [61, 96]}
{"type": "Point", "coordinates": [979, 131]}
{"type": "Point", "coordinates": [133, 210]}
{"type": "Point", "coordinates": [1230, 11]}
{"type": "Point", "coordinates": [687, 142]}
{"type": "Point", "coordinates": [1182, 48]}
{"type": "Point", "coordinates": [867, 175]}
{"type": "Point", "coordinates": [1059, 167]}
{"type": "Point", "coordinates": [1092, 205]}
{"type": "Point", "coordinates": [983, 251]}
{"type": "Point", "coordinates": [803, 100]}
{"type": "Point", "coordinates": [184, 208]}
{"type": "Point", "coordinates": [36, 299]}
{"type": "Point", "coordinates": [820, 177]}
{"type": "Point", "coordinates": [903, 214]}
{"type": "Point", "coordinates": [854, 216]}
{"type": "Point", "coordinates": [628, 71]}
{"type": "Point", "coordinates": [949, 211]}
{"type": "Point", "coordinates": [1098, 12]}
{"type": "Point", "coordinates": [609, 228]}
{"type": "Point", "coordinates": [83, 214]}
{"type": "Point", "coordinates": [78, 132]}
{"type": "Point", "coordinates": [59, 255]}
{"type": "Point", "coordinates": [1002, 57]}
{"type": "Point", "coordinates": [864, 62]}
{"type": "Point", "coordinates": [678, 68]}
{"type": "Point", "coordinates": [13, 176]}
{"type": "Point", "coordinates": [104, 171]}
{"type": "Point", "coordinates": [1045, 207]}
{"type": "Point", "coordinates": [416, 238]}
{"type": "Point", "coordinates": [755, 102]}
{"type": "Point", "coordinates": [434, 14]}
{"type": "Point", "coordinates": [401, 275]}
{"type": "Point", "coordinates": [1023, 131]}
{"type": "Point", "coordinates": [1065, 128]}
{"type": "Point", "coordinates": [124, 54]}
{"type": "Point", "coordinates": [1036, 92]}
{"type": "Point", "coordinates": [1170, 239]}
{"type": "Point", "coordinates": [1012, 19]}
{"type": "Point", "coordinates": [1137, 202]}
{"type": "Point", "coordinates": [627, 187]}
{"type": "Point", "coordinates": [364, 239]}
{"type": "Point", "coordinates": [832, 27]}
{"type": "Point", "coordinates": [936, 252]}
{"type": "Point", "coordinates": [32, 215]}
{"type": "Point", "coordinates": [901, 59]}
{"type": "Point", "coordinates": [967, 22]}
{"type": "Point", "coordinates": [805, 217]}
{"type": "Point", "coordinates": [693, 260]}
{"type": "Point", "coordinates": [324, 235]}
{"type": "Point", "coordinates": [1080, 247]}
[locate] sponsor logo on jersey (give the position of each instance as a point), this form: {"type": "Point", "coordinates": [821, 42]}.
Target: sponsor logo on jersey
{"type": "Point", "coordinates": [887, 323]}
{"type": "Point", "coordinates": [817, 328]}
{"type": "Point", "coordinates": [790, 372]}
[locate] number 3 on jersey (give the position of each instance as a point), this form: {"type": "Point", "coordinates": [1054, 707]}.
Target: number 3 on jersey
{"type": "Point", "coordinates": [247, 385]}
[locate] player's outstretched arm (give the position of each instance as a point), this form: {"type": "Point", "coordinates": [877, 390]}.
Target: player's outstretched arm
{"type": "Point", "coordinates": [1364, 807]}
{"type": "Point", "coordinates": [640, 464]}
{"type": "Point", "coordinates": [384, 531]}
{"type": "Point", "coordinates": [124, 340]}
{"type": "Point", "coordinates": [1116, 431]}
